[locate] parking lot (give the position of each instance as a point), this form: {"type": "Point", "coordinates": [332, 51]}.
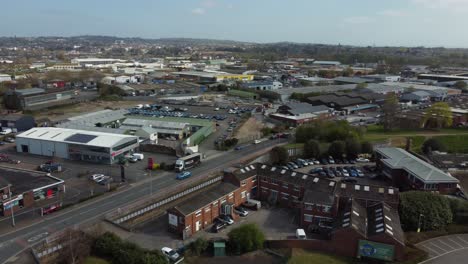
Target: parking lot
{"type": "Point", "coordinates": [446, 249]}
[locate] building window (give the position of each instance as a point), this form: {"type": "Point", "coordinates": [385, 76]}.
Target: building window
{"type": "Point", "coordinates": [243, 194]}
{"type": "Point", "coordinates": [243, 183]}
{"type": "Point", "coordinates": [285, 185]}
{"type": "Point", "coordinates": [254, 179]}
{"type": "Point", "coordinates": [223, 201]}
{"type": "Point", "coordinates": [308, 218]}
{"type": "Point", "coordinates": [285, 196]}
{"type": "Point", "coordinates": [326, 209]}
{"type": "Point", "coordinates": [308, 206]}
{"type": "Point", "coordinates": [274, 182]}
{"type": "Point", "coordinates": [215, 203]}
{"type": "Point", "coordinates": [264, 179]}
{"type": "Point", "coordinates": [296, 189]}
{"type": "Point", "coordinates": [197, 213]}
{"type": "Point", "coordinates": [207, 210]}
{"type": "Point", "coordinates": [432, 186]}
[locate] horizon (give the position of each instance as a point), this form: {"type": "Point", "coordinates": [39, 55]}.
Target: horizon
{"type": "Point", "coordinates": [399, 23]}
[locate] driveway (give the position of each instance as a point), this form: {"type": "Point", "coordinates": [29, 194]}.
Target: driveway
{"type": "Point", "coordinates": [446, 249]}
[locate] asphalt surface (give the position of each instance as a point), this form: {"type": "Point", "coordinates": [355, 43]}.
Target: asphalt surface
{"type": "Point", "coordinates": [21, 238]}
{"type": "Point", "coordinates": [446, 249]}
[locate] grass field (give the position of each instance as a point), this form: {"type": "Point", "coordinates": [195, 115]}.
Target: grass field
{"type": "Point", "coordinates": [242, 94]}
{"type": "Point", "coordinates": [300, 256]}
{"type": "Point", "coordinates": [95, 260]}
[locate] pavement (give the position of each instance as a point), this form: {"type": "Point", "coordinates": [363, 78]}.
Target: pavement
{"type": "Point", "coordinates": [446, 250]}
{"type": "Point", "coordinates": [20, 238]}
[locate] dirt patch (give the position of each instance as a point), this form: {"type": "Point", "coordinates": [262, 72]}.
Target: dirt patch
{"type": "Point", "coordinates": [251, 129]}
{"type": "Point", "coordinates": [63, 112]}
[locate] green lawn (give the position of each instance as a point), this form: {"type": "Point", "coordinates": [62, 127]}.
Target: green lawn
{"type": "Point", "coordinates": [242, 94]}
{"type": "Point", "coordinates": [95, 260]}
{"type": "Point", "coordinates": [300, 256]}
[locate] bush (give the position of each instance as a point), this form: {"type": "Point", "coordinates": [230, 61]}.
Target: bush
{"type": "Point", "coordinates": [279, 155]}
{"type": "Point", "coordinates": [198, 246]}
{"type": "Point", "coordinates": [435, 209]}
{"type": "Point", "coordinates": [366, 147]}
{"type": "Point", "coordinates": [246, 238]}
{"type": "Point", "coordinates": [337, 149]}
{"type": "Point", "coordinates": [312, 149]}
{"type": "Point", "coordinates": [432, 144]}
{"type": "Point", "coordinates": [111, 247]}
{"type": "Point", "coordinates": [459, 210]}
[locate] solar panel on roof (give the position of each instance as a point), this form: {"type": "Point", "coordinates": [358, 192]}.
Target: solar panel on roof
{"type": "Point", "coordinates": [80, 138]}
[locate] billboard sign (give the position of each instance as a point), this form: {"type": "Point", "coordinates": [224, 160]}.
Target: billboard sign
{"type": "Point", "coordinates": [376, 250]}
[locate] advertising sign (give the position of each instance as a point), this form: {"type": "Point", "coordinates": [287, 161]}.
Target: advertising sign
{"type": "Point", "coordinates": [172, 219]}
{"type": "Point", "coordinates": [376, 250]}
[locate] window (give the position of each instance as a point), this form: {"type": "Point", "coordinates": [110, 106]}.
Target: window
{"type": "Point", "coordinates": [308, 206]}
{"type": "Point", "coordinates": [124, 145]}
{"type": "Point", "coordinates": [215, 203]}
{"type": "Point", "coordinates": [285, 185]}
{"type": "Point", "coordinates": [254, 179]}
{"type": "Point", "coordinates": [285, 196]}
{"type": "Point", "coordinates": [274, 182]}
{"type": "Point", "coordinates": [231, 195]}
{"type": "Point", "coordinates": [264, 179]}
{"type": "Point", "coordinates": [308, 218]}
{"type": "Point", "coordinates": [243, 183]}
{"type": "Point", "coordinates": [326, 209]}
{"type": "Point", "coordinates": [296, 189]}
{"type": "Point", "coordinates": [243, 194]}
{"type": "Point", "coordinates": [207, 210]}
{"type": "Point", "coordinates": [198, 213]}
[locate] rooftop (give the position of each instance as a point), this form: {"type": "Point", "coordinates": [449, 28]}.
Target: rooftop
{"type": "Point", "coordinates": [208, 196]}
{"type": "Point", "coordinates": [25, 180]}
{"type": "Point", "coordinates": [75, 136]}
{"type": "Point", "coordinates": [397, 158]}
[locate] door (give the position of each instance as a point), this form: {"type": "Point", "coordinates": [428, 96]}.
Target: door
{"type": "Point", "coordinates": [197, 226]}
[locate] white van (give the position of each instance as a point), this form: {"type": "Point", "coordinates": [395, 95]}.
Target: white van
{"type": "Point", "coordinates": [300, 234]}
{"type": "Point", "coordinates": [139, 156]}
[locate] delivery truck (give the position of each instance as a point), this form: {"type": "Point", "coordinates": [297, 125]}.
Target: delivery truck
{"type": "Point", "coordinates": [187, 162]}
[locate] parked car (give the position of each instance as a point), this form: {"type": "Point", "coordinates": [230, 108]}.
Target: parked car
{"type": "Point", "coordinates": [105, 180]}
{"type": "Point", "coordinates": [132, 159]}
{"type": "Point", "coordinates": [226, 219]}
{"type": "Point", "coordinates": [241, 211]}
{"type": "Point", "coordinates": [218, 225]}
{"type": "Point", "coordinates": [324, 161]}
{"type": "Point", "coordinates": [293, 165]}
{"type": "Point", "coordinates": [183, 175]}
{"type": "Point", "coordinates": [360, 173]}
{"type": "Point", "coordinates": [9, 140]}
{"type": "Point", "coordinates": [349, 180]}
{"type": "Point", "coordinates": [316, 162]}
{"type": "Point", "coordinates": [250, 205]}
{"type": "Point", "coordinates": [362, 160]}
{"type": "Point", "coordinates": [345, 173]}
{"type": "Point", "coordinates": [331, 160]}
{"type": "Point", "coordinates": [170, 253]}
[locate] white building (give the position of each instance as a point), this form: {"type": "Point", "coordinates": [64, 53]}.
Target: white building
{"type": "Point", "coordinates": [91, 146]}
{"type": "Point", "coordinates": [95, 61]}
{"type": "Point", "coordinates": [5, 77]}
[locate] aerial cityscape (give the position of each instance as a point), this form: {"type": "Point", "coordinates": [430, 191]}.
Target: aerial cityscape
{"type": "Point", "coordinates": [222, 131]}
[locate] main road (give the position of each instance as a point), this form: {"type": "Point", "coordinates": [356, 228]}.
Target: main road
{"type": "Point", "coordinates": [22, 238]}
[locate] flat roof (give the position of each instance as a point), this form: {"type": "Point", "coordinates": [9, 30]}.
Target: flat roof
{"type": "Point", "coordinates": [25, 180]}
{"type": "Point", "coordinates": [397, 158]}
{"type": "Point", "coordinates": [75, 136]}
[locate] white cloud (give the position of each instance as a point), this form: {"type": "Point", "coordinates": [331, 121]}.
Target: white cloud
{"type": "Point", "coordinates": [393, 13]}
{"type": "Point", "coordinates": [454, 5]}
{"type": "Point", "coordinates": [198, 11]}
{"type": "Point", "coordinates": [358, 20]}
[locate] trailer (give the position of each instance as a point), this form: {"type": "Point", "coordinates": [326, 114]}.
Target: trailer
{"type": "Point", "coordinates": [188, 162]}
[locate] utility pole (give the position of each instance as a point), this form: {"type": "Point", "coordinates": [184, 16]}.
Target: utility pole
{"type": "Point", "coordinates": [419, 222]}
{"type": "Point", "coordinates": [11, 207]}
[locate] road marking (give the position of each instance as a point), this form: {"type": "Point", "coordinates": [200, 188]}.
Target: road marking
{"type": "Point", "coordinates": [440, 240]}
{"type": "Point", "coordinates": [453, 241]}
{"type": "Point", "coordinates": [87, 211]}
{"type": "Point", "coordinates": [443, 250]}
{"type": "Point", "coordinates": [430, 249]}
{"type": "Point", "coordinates": [448, 252]}
{"type": "Point", "coordinates": [462, 240]}
{"type": "Point", "coordinates": [37, 237]}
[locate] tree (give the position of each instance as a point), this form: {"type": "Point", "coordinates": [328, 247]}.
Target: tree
{"type": "Point", "coordinates": [432, 144]}
{"type": "Point", "coordinates": [246, 238]}
{"type": "Point", "coordinates": [312, 149]}
{"type": "Point", "coordinates": [390, 109]}
{"type": "Point", "coordinates": [431, 210]}
{"type": "Point", "coordinates": [76, 246]}
{"type": "Point", "coordinates": [337, 149]}
{"type": "Point", "coordinates": [353, 148]}
{"type": "Point", "coordinates": [462, 85]}
{"type": "Point", "coordinates": [279, 155]}
{"type": "Point", "coordinates": [348, 72]}
{"type": "Point", "coordinates": [198, 246]}
{"type": "Point", "coordinates": [366, 147]}
{"type": "Point", "coordinates": [438, 115]}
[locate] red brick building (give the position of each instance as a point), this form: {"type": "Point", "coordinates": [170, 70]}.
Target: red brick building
{"type": "Point", "coordinates": [409, 172]}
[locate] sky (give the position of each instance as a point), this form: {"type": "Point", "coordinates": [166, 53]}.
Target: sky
{"type": "Point", "coordinates": [348, 22]}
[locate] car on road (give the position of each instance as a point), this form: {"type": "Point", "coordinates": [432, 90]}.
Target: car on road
{"type": "Point", "coordinates": [132, 159]}
{"type": "Point", "coordinates": [170, 253]}
{"type": "Point", "coordinates": [183, 175]}
{"type": "Point", "coordinates": [9, 140]}
{"type": "Point", "coordinates": [241, 211]}
{"type": "Point", "coordinates": [226, 219]}
{"type": "Point", "coordinates": [362, 160]}
{"type": "Point", "coordinates": [105, 180]}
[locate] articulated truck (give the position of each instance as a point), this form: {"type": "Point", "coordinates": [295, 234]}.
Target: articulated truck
{"type": "Point", "coordinates": [188, 162]}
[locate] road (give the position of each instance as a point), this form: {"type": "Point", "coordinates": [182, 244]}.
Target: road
{"type": "Point", "coordinates": [18, 240]}
{"type": "Point", "coordinates": [446, 249]}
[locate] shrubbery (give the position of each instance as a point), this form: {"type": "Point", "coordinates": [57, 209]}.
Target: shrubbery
{"type": "Point", "coordinates": [246, 238]}
{"type": "Point", "coordinates": [111, 247]}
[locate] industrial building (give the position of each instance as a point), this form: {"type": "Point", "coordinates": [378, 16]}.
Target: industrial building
{"type": "Point", "coordinates": [212, 77]}
{"type": "Point", "coordinates": [17, 122]}
{"type": "Point", "coordinates": [36, 98]}
{"type": "Point", "coordinates": [91, 146]}
{"type": "Point", "coordinates": [21, 188]}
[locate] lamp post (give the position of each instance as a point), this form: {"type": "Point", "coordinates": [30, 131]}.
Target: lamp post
{"type": "Point", "coordinates": [419, 222]}
{"type": "Point", "coordinates": [11, 207]}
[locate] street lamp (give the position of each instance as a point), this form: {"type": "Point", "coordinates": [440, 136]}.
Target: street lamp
{"type": "Point", "coordinates": [419, 222]}
{"type": "Point", "coordinates": [11, 207]}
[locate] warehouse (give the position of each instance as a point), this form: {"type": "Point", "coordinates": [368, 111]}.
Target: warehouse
{"type": "Point", "coordinates": [97, 147]}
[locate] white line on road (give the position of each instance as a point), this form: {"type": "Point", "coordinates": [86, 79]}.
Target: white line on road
{"type": "Point", "coordinates": [432, 250]}
{"type": "Point", "coordinates": [453, 241]}
{"type": "Point", "coordinates": [440, 240]}
{"type": "Point", "coordinates": [448, 252]}
{"type": "Point", "coordinates": [443, 250]}
{"type": "Point", "coordinates": [462, 240]}
{"type": "Point", "coordinates": [87, 211]}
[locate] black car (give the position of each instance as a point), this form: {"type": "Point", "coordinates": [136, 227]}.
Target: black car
{"type": "Point", "coordinates": [217, 226]}
{"type": "Point", "coordinates": [349, 180]}
{"type": "Point", "coordinates": [324, 162]}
